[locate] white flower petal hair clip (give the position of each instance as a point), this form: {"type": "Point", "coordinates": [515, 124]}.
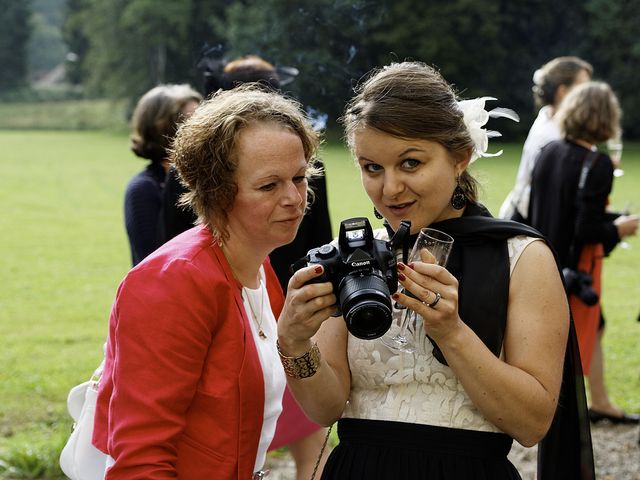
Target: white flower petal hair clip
{"type": "Point", "coordinates": [475, 117]}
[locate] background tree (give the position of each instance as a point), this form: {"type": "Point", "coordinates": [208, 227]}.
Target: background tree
{"type": "Point", "coordinates": [14, 36]}
{"type": "Point", "coordinates": [76, 39]}
{"type": "Point", "coordinates": [133, 45]}
{"type": "Point", "coordinates": [124, 47]}
{"type": "Point", "coordinates": [46, 48]}
{"type": "Point", "coordinates": [329, 41]}
{"type": "Point", "coordinates": [532, 33]}
{"type": "Point", "coordinates": [613, 46]}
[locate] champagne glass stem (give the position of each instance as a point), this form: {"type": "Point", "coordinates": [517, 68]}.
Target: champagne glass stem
{"type": "Point", "coordinates": [406, 318]}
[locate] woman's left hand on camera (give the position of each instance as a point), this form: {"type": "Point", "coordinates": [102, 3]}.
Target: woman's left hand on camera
{"type": "Point", "coordinates": [436, 290]}
{"type": "Point", "coordinates": [306, 306]}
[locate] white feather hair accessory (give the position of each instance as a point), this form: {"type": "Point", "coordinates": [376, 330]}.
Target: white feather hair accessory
{"type": "Point", "coordinates": [475, 117]}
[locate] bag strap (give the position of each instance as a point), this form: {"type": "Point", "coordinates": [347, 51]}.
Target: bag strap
{"type": "Point", "coordinates": [587, 163]}
{"type": "Point", "coordinates": [94, 381]}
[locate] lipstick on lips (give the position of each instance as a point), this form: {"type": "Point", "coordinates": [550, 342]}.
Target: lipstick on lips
{"type": "Point", "coordinates": [400, 208]}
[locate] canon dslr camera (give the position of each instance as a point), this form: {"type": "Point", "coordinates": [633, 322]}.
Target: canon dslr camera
{"type": "Point", "coordinates": [362, 270]}
{"type": "Point", "coordinates": [579, 284]}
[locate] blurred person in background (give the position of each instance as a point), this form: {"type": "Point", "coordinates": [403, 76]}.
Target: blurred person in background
{"type": "Point", "coordinates": [570, 187]}
{"type": "Point", "coordinates": [154, 123]}
{"type": "Point", "coordinates": [551, 83]}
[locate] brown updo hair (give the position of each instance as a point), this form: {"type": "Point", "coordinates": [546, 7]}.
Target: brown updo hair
{"type": "Point", "coordinates": [590, 112]}
{"type": "Point", "coordinates": [156, 117]}
{"type": "Point", "coordinates": [412, 100]}
{"type": "Point", "coordinates": [559, 71]}
{"type": "Point", "coordinates": [204, 147]}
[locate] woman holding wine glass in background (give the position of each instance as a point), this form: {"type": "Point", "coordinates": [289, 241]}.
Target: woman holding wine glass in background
{"type": "Point", "coordinates": [476, 379]}
{"type": "Point", "coordinates": [570, 189]}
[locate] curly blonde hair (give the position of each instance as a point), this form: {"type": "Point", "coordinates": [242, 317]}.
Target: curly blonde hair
{"type": "Point", "coordinates": [204, 147]}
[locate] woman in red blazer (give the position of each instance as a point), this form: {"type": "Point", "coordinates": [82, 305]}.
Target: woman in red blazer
{"type": "Point", "coordinates": [192, 386]}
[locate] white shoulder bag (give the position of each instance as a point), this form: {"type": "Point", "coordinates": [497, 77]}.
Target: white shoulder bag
{"type": "Point", "coordinates": [79, 459]}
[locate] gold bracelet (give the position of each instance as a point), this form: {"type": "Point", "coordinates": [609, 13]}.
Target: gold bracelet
{"type": "Point", "coordinates": [304, 366]}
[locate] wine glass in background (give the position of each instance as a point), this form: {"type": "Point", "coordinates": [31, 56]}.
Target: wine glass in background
{"type": "Point", "coordinates": [439, 245]}
{"type": "Point", "coordinates": [628, 210]}
{"type": "Point", "coordinates": [614, 148]}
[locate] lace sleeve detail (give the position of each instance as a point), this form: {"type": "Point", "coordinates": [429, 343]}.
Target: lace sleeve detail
{"type": "Point", "coordinates": [516, 246]}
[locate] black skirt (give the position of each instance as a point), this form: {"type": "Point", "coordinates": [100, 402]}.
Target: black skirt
{"type": "Point", "coordinates": [373, 449]}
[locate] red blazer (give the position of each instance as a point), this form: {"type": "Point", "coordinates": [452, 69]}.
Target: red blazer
{"type": "Point", "coordinates": [182, 393]}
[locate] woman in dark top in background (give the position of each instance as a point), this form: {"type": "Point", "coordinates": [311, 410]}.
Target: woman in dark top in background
{"type": "Point", "coordinates": [574, 221]}
{"type": "Point", "coordinates": [155, 121]}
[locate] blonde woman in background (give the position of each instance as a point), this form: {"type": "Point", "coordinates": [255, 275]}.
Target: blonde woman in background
{"type": "Point", "coordinates": [570, 188]}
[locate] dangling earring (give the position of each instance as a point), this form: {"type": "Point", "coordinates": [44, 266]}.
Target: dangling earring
{"type": "Point", "coordinates": [458, 199]}
{"type": "Point", "coordinates": [377, 214]}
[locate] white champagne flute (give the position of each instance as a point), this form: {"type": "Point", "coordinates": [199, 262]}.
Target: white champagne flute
{"type": "Point", "coordinates": [614, 148]}
{"type": "Point", "coordinates": [439, 245]}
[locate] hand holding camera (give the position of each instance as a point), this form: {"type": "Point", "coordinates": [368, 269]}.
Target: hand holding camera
{"type": "Point", "coordinates": [362, 271]}
{"type": "Point", "coordinates": [310, 301]}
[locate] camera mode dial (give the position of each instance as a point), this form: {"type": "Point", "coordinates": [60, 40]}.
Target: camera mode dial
{"type": "Point", "coordinates": [326, 251]}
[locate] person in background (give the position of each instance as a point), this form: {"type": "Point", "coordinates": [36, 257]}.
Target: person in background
{"type": "Point", "coordinates": [303, 437]}
{"type": "Point", "coordinates": [476, 379]}
{"type": "Point", "coordinates": [192, 387]}
{"type": "Point", "coordinates": [551, 83]}
{"type": "Point", "coordinates": [570, 186]}
{"type": "Point", "coordinates": [602, 408]}
{"type": "Point", "coordinates": [154, 123]}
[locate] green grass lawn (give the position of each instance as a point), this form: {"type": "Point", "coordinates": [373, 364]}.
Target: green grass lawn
{"type": "Point", "coordinates": [64, 250]}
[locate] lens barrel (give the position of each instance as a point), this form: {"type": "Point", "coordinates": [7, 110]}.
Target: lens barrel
{"type": "Point", "coordinates": [366, 306]}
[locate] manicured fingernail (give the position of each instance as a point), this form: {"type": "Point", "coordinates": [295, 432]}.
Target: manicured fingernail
{"type": "Point", "coordinates": [395, 296]}
{"type": "Point", "coordinates": [411, 265]}
{"type": "Point", "coordinates": [318, 269]}
{"type": "Point", "coordinates": [401, 266]}
{"type": "Point", "coordinates": [401, 277]}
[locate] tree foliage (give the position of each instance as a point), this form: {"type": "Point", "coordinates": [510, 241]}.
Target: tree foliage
{"type": "Point", "coordinates": [329, 41]}
{"type": "Point", "coordinates": [46, 47]}
{"type": "Point", "coordinates": [614, 49]}
{"type": "Point", "coordinates": [14, 37]}
{"type": "Point", "coordinates": [127, 47]}
{"type": "Point", "coordinates": [484, 47]}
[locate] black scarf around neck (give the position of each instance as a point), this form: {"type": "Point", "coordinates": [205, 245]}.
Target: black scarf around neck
{"type": "Point", "coordinates": [479, 260]}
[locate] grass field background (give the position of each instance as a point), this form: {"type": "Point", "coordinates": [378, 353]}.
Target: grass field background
{"type": "Point", "coordinates": [63, 251]}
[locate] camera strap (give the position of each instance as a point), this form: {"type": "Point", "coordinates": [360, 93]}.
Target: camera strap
{"type": "Point", "coordinates": [401, 239]}
{"type": "Point", "coordinates": [589, 159]}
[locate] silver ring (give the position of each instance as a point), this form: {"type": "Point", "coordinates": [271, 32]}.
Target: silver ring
{"type": "Point", "coordinates": [435, 301]}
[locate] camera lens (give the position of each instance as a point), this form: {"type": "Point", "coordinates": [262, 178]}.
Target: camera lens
{"type": "Point", "coordinates": [368, 320]}
{"type": "Point", "coordinates": [366, 305]}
